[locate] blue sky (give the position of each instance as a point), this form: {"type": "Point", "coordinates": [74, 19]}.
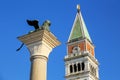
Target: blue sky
{"type": "Point", "coordinates": [102, 18]}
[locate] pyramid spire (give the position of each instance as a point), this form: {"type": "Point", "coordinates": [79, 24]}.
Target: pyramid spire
{"type": "Point", "coordinates": [79, 29]}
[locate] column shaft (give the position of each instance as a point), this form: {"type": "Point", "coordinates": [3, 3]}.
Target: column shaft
{"type": "Point", "coordinates": [38, 68]}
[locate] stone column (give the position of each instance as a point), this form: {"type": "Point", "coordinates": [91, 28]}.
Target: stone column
{"type": "Point", "coordinates": [40, 43]}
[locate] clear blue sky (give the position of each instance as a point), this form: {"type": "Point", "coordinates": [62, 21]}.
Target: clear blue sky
{"type": "Point", "coordinates": [102, 18]}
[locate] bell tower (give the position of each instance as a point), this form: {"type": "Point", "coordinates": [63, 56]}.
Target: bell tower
{"type": "Point", "coordinates": [80, 61]}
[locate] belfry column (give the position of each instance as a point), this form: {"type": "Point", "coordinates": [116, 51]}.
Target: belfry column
{"type": "Point", "coordinates": [40, 43]}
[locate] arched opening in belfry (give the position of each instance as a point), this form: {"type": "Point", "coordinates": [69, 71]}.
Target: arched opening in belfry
{"type": "Point", "coordinates": [75, 68]}
{"type": "Point", "coordinates": [71, 69]}
{"type": "Point", "coordinates": [83, 65]}
{"type": "Point", "coordinates": [79, 67]}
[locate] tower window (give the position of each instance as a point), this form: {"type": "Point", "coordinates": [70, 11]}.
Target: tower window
{"type": "Point", "coordinates": [79, 67]}
{"type": "Point", "coordinates": [83, 65]}
{"type": "Point", "coordinates": [71, 69]}
{"type": "Point", "coordinates": [76, 49]}
{"type": "Point", "coordinates": [75, 68]}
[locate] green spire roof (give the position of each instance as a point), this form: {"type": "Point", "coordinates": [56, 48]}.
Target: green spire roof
{"type": "Point", "coordinates": [79, 29]}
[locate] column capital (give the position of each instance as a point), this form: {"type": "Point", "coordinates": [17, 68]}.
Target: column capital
{"type": "Point", "coordinates": [40, 42]}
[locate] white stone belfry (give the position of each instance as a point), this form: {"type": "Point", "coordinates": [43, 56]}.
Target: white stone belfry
{"type": "Point", "coordinates": [40, 43]}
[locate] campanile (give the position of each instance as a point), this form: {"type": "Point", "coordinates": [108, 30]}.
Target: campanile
{"type": "Point", "coordinates": [80, 61]}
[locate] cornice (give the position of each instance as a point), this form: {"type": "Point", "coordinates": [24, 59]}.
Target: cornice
{"type": "Point", "coordinates": [40, 35]}
{"type": "Point", "coordinates": [76, 74]}
{"type": "Point", "coordinates": [81, 55]}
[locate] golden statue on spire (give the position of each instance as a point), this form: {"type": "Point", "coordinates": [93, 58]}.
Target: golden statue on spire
{"type": "Point", "coordinates": [78, 8]}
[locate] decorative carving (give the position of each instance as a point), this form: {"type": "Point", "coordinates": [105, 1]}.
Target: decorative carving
{"type": "Point", "coordinates": [34, 23]}
{"type": "Point", "coordinates": [78, 8]}
{"type": "Point", "coordinates": [76, 49]}
{"type": "Point", "coordinates": [92, 69]}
